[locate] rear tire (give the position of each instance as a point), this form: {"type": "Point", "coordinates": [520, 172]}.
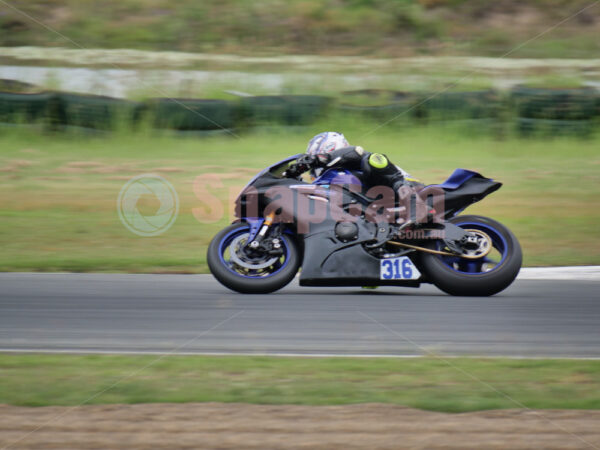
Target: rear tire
{"type": "Point", "coordinates": [226, 272]}
{"type": "Point", "coordinates": [456, 282]}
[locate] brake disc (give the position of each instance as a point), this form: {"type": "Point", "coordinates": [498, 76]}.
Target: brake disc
{"type": "Point", "coordinates": [236, 250]}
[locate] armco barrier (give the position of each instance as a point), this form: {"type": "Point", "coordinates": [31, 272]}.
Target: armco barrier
{"type": "Point", "coordinates": [531, 110]}
{"type": "Point", "coordinates": [378, 113]}
{"type": "Point", "coordinates": [192, 115]}
{"type": "Point", "coordinates": [92, 111]}
{"type": "Point", "coordinates": [377, 104]}
{"type": "Point", "coordinates": [547, 127]}
{"type": "Point", "coordinates": [554, 111]}
{"type": "Point", "coordinates": [305, 109]}
{"type": "Point", "coordinates": [27, 108]}
{"type": "Point", "coordinates": [283, 109]}
{"type": "Point", "coordinates": [461, 105]}
{"type": "Point", "coordinates": [554, 104]}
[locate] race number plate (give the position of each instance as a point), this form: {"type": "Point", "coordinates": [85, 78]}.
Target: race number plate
{"type": "Point", "coordinates": [398, 269]}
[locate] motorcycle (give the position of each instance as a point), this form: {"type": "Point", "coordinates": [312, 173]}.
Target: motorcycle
{"type": "Point", "coordinates": [336, 232]}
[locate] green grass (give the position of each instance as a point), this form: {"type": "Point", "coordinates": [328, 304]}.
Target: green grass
{"type": "Point", "coordinates": [359, 27]}
{"type": "Point", "coordinates": [58, 202]}
{"type": "Point", "coordinates": [452, 385]}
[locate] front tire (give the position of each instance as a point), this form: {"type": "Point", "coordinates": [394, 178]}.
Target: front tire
{"type": "Point", "coordinates": [458, 276]}
{"type": "Point", "coordinates": [256, 275]}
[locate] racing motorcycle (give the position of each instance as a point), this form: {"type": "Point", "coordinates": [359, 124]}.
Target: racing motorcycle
{"type": "Point", "coordinates": [336, 232]}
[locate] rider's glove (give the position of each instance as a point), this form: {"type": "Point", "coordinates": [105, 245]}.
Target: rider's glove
{"type": "Point", "coordinates": [293, 171]}
{"type": "Point", "coordinates": [303, 164]}
{"type": "Point", "coordinates": [306, 161]}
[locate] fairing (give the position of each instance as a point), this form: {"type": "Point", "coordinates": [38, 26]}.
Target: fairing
{"type": "Point", "coordinates": [463, 188]}
{"type": "Point", "coordinates": [326, 260]}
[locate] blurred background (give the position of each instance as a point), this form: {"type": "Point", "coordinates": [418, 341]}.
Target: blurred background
{"type": "Point", "coordinates": [95, 93]}
{"type": "Point", "coordinates": [205, 93]}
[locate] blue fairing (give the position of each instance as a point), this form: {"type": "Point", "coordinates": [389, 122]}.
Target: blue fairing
{"type": "Point", "coordinates": [458, 178]}
{"type": "Point", "coordinates": [336, 176]}
{"type": "Point", "coordinates": [463, 188]}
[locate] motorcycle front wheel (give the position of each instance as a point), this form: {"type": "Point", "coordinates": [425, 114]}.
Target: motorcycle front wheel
{"type": "Point", "coordinates": [483, 276]}
{"type": "Point", "coordinates": [247, 271]}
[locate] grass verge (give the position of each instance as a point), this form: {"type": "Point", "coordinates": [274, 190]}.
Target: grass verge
{"type": "Point", "coordinates": [452, 385]}
{"type": "Point", "coordinates": [359, 27]}
{"type": "Point", "coordinates": [59, 192]}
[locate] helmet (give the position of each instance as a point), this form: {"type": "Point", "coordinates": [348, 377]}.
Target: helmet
{"type": "Point", "coordinates": [326, 143]}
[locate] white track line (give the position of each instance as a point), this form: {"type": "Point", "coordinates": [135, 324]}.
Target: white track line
{"type": "Point", "coordinates": [573, 273]}
{"type": "Point", "coordinates": [581, 273]}
{"type": "Point", "coordinates": [284, 355]}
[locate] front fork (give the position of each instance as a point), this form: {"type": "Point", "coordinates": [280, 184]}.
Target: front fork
{"type": "Point", "coordinates": [258, 231]}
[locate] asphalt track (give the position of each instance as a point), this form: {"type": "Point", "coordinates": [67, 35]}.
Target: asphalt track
{"type": "Point", "coordinates": [183, 314]}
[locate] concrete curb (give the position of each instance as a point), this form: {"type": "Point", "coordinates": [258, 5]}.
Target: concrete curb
{"type": "Point", "coordinates": [583, 273]}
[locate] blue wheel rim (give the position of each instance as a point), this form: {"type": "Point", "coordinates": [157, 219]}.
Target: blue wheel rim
{"type": "Point", "coordinates": [272, 270]}
{"type": "Point", "coordinates": [476, 267]}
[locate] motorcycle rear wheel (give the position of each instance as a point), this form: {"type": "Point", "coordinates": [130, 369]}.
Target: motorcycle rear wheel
{"type": "Point", "coordinates": [481, 277]}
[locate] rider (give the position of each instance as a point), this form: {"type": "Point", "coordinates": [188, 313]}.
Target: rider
{"type": "Point", "coordinates": [331, 150]}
